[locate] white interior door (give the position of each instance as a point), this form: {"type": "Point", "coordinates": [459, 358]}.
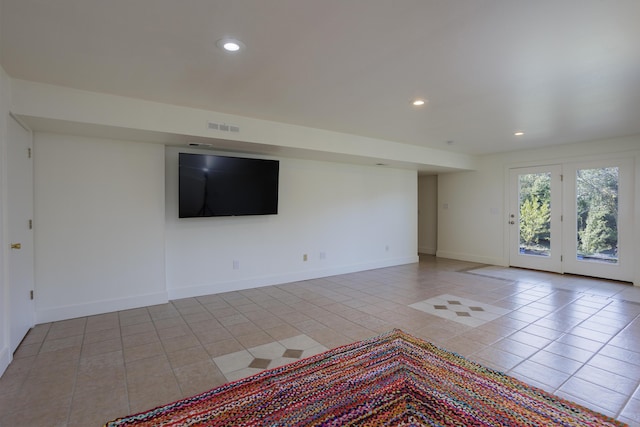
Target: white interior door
{"type": "Point", "coordinates": [20, 233]}
{"type": "Point", "coordinates": [535, 216]}
{"type": "Point", "coordinates": [598, 226]}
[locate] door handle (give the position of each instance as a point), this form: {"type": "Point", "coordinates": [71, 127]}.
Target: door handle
{"type": "Point", "coordinates": [16, 246]}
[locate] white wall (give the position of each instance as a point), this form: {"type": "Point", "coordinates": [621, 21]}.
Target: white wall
{"type": "Point", "coordinates": [427, 214]}
{"type": "Point", "coordinates": [472, 221]}
{"type": "Point", "coordinates": [470, 214]}
{"type": "Point", "coordinates": [102, 242]}
{"type": "Point", "coordinates": [359, 217]}
{"type": "Point", "coordinates": [5, 99]}
{"type": "Point", "coordinates": [99, 225]}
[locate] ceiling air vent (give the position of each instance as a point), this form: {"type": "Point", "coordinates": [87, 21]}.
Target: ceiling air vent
{"type": "Point", "coordinates": [222, 127]}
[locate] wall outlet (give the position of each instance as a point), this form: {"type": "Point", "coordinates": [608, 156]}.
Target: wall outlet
{"type": "Point", "coordinates": [305, 257]}
{"type": "Point", "coordinates": [323, 255]}
{"type": "Point", "coordinates": [386, 248]}
{"type": "Point", "coordinates": [236, 264]}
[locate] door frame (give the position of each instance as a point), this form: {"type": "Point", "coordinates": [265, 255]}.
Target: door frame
{"type": "Point", "coordinates": [27, 320]}
{"type": "Point", "coordinates": [634, 204]}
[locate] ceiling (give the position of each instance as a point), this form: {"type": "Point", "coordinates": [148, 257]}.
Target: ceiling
{"type": "Point", "coordinates": [561, 71]}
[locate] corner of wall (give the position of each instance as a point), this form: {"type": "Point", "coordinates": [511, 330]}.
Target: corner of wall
{"type": "Point", "coordinates": [5, 99]}
{"type": "Point", "coordinates": [636, 220]}
{"type": "Point", "coordinates": [472, 258]}
{"type": "Point", "coordinates": [5, 359]}
{"type": "Point", "coordinates": [427, 250]}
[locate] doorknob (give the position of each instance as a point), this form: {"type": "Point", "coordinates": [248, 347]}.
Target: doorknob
{"type": "Point", "coordinates": [16, 246]}
{"type": "Point", "coordinates": [512, 222]}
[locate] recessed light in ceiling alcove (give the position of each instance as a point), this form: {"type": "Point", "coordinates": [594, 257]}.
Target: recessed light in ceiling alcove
{"type": "Point", "coordinates": [418, 102]}
{"type": "Point", "coordinates": [519, 133]}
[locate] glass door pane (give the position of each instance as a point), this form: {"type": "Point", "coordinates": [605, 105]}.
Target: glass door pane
{"type": "Point", "coordinates": [535, 200]}
{"type": "Point", "coordinates": [535, 213]}
{"type": "Point", "coordinates": [597, 214]}
{"type": "Point", "coordinates": [598, 210]}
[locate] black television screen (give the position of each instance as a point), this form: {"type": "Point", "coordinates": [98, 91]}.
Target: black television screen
{"type": "Point", "coordinates": [227, 186]}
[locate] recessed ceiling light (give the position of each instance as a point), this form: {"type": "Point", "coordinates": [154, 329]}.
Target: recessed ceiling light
{"type": "Point", "coordinates": [519, 133]}
{"type": "Point", "coordinates": [230, 45]}
{"type": "Point", "coordinates": [418, 102]}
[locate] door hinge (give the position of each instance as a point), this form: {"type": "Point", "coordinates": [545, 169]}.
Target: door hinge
{"type": "Point", "coordinates": [29, 152]}
{"type": "Point", "coordinates": [561, 258]}
{"type": "Point", "coordinates": [31, 294]}
{"type": "Point", "coordinates": [30, 224]}
{"type": "Point", "coordinates": [561, 218]}
{"type": "Point", "coordinates": [561, 177]}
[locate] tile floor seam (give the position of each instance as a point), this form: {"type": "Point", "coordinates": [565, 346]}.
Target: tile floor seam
{"type": "Point", "coordinates": [75, 376]}
{"type": "Point", "coordinates": [124, 366]}
{"type": "Point", "coordinates": [162, 344]}
{"type": "Point", "coordinates": [628, 400]}
{"type": "Point", "coordinates": [593, 355]}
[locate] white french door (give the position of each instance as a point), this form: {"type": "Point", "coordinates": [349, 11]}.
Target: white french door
{"type": "Point", "coordinates": [535, 217]}
{"type": "Point", "coordinates": [598, 222]}
{"type": "Point", "coordinates": [573, 218]}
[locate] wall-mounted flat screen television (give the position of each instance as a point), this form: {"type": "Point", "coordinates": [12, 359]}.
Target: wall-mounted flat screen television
{"type": "Point", "coordinates": [213, 185]}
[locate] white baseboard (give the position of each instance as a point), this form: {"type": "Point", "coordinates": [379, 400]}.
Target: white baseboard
{"type": "Point", "coordinates": [256, 282]}
{"type": "Point", "coordinates": [5, 359]}
{"type": "Point", "coordinates": [472, 258]}
{"type": "Point", "coordinates": [98, 307]}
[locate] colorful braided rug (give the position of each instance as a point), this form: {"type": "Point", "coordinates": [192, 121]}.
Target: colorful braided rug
{"type": "Point", "coordinates": [393, 379]}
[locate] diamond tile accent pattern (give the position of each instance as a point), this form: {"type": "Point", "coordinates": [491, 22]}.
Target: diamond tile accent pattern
{"type": "Point", "coordinates": [248, 362]}
{"type": "Point", "coordinates": [462, 310]}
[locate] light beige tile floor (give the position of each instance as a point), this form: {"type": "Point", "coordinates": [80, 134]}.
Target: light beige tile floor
{"type": "Point", "coordinates": [576, 337]}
